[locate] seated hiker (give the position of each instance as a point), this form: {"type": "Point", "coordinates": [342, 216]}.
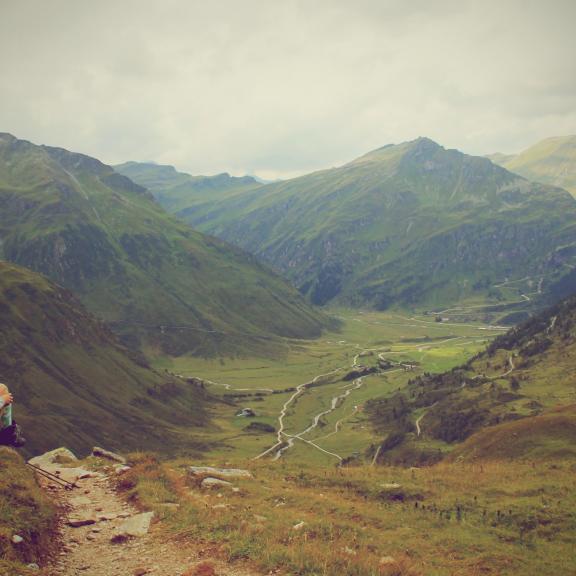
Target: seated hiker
{"type": "Point", "coordinates": [10, 433]}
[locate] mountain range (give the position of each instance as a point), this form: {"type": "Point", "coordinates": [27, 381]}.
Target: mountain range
{"type": "Point", "coordinates": [156, 281]}
{"type": "Point", "coordinates": [175, 190]}
{"type": "Point", "coordinates": [412, 224]}
{"type": "Point", "coordinates": [551, 161]}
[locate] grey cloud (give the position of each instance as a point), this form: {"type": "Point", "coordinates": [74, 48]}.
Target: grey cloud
{"type": "Point", "coordinates": [279, 87]}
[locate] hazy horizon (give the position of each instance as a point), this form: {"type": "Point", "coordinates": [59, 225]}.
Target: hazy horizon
{"type": "Point", "coordinates": [277, 89]}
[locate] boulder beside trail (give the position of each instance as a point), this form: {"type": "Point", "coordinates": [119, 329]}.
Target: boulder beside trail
{"type": "Point", "coordinates": [57, 456]}
{"type": "Point", "coordinates": [58, 462]}
{"type": "Point", "coordinates": [137, 525]}
{"type": "Point", "coordinates": [197, 471]}
{"type": "Point", "coordinates": [102, 453]}
{"type": "Point", "coordinates": [214, 483]}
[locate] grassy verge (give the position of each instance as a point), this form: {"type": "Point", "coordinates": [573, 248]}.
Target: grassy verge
{"type": "Point", "coordinates": [25, 511]}
{"type": "Point", "coordinates": [496, 518]}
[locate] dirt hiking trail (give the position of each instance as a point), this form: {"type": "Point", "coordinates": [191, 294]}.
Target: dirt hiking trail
{"type": "Point", "coordinates": [102, 535]}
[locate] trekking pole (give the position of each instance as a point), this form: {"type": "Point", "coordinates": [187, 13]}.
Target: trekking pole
{"type": "Point", "coordinates": [52, 477]}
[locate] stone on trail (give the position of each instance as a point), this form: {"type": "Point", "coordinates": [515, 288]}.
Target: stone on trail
{"type": "Point", "coordinates": [81, 521]}
{"type": "Point", "coordinates": [218, 472]}
{"type": "Point", "coordinates": [17, 539]}
{"type": "Point", "coordinates": [74, 474]}
{"type": "Point", "coordinates": [214, 483]}
{"type": "Point", "coordinates": [137, 525]}
{"type": "Point", "coordinates": [102, 453]}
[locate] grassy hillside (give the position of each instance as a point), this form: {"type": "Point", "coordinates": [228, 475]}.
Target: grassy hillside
{"type": "Point", "coordinates": [26, 511]}
{"type": "Point", "coordinates": [75, 385]}
{"type": "Point", "coordinates": [551, 161]}
{"type": "Point", "coordinates": [501, 518]}
{"type": "Point", "coordinates": [413, 225]}
{"type": "Point", "coordinates": [515, 400]}
{"type": "Point", "coordinates": [182, 194]}
{"type": "Point", "coordinates": [154, 279]}
{"type": "Point", "coordinates": [545, 437]}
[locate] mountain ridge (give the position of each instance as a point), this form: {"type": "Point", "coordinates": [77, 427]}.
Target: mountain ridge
{"type": "Point", "coordinates": [551, 161]}
{"type": "Point", "coordinates": [156, 280]}
{"type": "Point", "coordinates": [412, 224]}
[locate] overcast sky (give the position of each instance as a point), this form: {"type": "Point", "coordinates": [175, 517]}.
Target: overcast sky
{"type": "Point", "coordinates": [281, 87]}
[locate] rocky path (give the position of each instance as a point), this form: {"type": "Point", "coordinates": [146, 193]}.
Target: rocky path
{"type": "Point", "coordinates": [102, 535]}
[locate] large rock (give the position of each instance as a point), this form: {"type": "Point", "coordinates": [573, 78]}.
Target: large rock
{"type": "Point", "coordinates": [218, 472]}
{"type": "Point", "coordinates": [54, 457]}
{"type": "Point", "coordinates": [214, 483]}
{"type": "Point", "coordinates": [135, 526]}
{"type": "Point", "coordinates": [102, 453]}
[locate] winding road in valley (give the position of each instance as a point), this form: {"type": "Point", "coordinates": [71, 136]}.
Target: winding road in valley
{"type": "Point", "coordinates": [335, 402]}
{"type": "Point", "coordinates": [285, 441]}
{"type": "Point", "coordinates": [299, 390]}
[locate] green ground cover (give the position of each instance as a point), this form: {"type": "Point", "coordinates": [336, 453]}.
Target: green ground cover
{"type": "Point", "coordinates": [399, 337]}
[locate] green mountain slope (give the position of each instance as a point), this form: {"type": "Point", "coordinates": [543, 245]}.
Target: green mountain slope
{"type": "Point", "coordinates": [154, 279]}
{"type": "Point", "coordinates": [412, 224]}
{"type": "Point", "coordinates": [551, 161]}
{"type": "Point", "coordinates": [74, 384]}
{"type": "Point", "coordinates": [517, 399]}
{"type": "Point", "coordinates": [181, 193]}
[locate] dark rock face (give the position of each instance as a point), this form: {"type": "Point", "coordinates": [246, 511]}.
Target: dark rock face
{"type": "Point", "coordinates": [75, 257]}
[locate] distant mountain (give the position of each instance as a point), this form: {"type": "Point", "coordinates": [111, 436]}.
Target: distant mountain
{"type": "Point", "coordinates": [154, 279]}
{"type": "Point", "coordinates": [183, 194]}
{"type": "Point", "coordinates": [74, 383]}
{"type": "Point", "coordinates": [551, 161]}
{"type": "Point", "coordinates": [409, 224]}
{"type": "Point", "coordinates": [514, 400]}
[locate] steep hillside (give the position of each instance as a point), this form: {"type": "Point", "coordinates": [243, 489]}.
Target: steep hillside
{"type": "Point", "coordinates": [412, 224]}
{"type": "Point", "coordinates": [26, 511]}
{"type": "Point", "coordinates": [547, 436]}
{"type": "Point", "coordinates": [551, 161]}
{"type": "Point", "coordinates": [516, 399]}
{"type": "Point", "coordinates": [190, 197]}
{"type": "Point", "coordinates": [97, 233]}
{"type": "Point", "coordinates": [73, 382]}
